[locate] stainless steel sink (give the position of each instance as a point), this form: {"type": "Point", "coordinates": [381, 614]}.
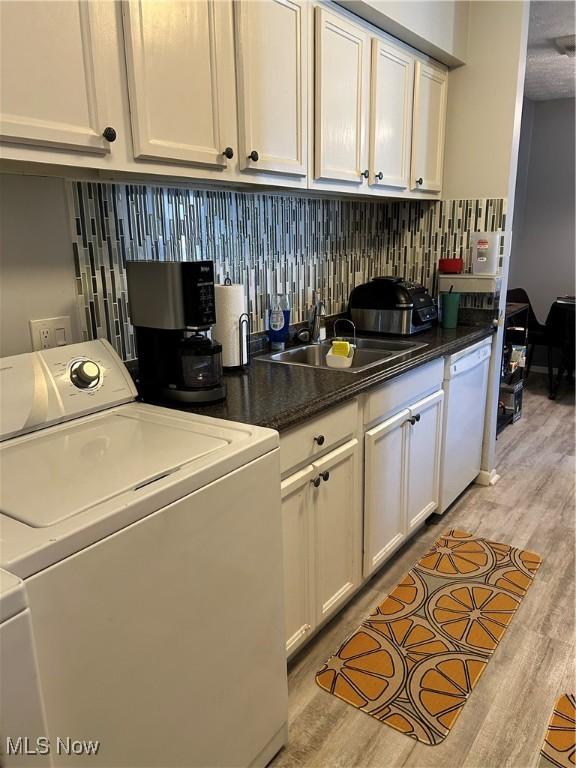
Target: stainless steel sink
{"type": "Point", "coordinates": [368, 352]}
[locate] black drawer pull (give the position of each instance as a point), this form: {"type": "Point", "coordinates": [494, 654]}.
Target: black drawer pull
{"type": "Point", "coordinates": [319, 439]}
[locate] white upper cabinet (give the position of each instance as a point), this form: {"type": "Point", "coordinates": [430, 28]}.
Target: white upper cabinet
{"type": "Point", "coordinates": [390, 115]}
{"type": "Point", "coordinates": [272, 76]}
{"type": "Point", "coordinates": [342, 55]}
{"type": "Point", "coordinates": [430, 91]}
{"type": "Point", "coordinates": [176, 80]}
{"type": "Point", "coordinates": [275, 92]}
{"type": "Point", "coordinates": [52, 84]}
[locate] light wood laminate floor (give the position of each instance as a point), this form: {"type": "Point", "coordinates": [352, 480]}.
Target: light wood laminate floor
{"type": "Point", "coordinates": [504, 721]}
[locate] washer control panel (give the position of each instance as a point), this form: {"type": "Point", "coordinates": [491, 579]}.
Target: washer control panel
{"type": "Point", "coordinates": [54, 385]}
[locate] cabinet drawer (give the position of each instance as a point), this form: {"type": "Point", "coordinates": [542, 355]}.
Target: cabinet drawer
{"type": "Point", "coordinates": [403, 391]}
{"type": "Point", "coordinates": [317, 436]}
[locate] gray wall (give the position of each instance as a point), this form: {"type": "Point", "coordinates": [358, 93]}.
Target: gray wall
{"type": "Point", "coordinates": [36, 263]}
{"type": "Point", "coordinates": [543, 247]}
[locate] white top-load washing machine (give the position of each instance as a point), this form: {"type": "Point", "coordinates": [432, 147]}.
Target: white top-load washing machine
{"type": "Point", "coordinates": [22, 721]}
{"type": "Point", "coordinates": [149, 546]}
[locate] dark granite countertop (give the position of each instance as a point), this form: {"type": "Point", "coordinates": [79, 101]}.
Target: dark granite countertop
{"type": "Point", "coordinates": [283, 396]}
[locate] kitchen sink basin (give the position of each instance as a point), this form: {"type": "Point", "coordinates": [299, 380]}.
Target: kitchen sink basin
{"type": "Point", "coordinates": [368, 352]}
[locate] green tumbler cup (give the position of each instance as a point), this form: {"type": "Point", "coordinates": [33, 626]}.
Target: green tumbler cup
{"type": "Point", "coordinates": [450, 303]}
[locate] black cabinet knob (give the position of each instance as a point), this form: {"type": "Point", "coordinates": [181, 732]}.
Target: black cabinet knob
{"type": "Point", "coordinates": [319, 439]}
{"type": "Point", "coordinates": [417, 417]}
{"type": "Point", "coordinates": [420, 180]}
{"type": "Point", "coordinates": [365, 173]}
{"type": "Point", "coordinates": [380, 176]}
{"type": "Point", "coordinates": [325, 476]}
{"type": "Point", "coordinates": [253, 156]}
{"type": "Point", "coordinates": [411, 420]}
{"type": "Point", "coordinates": [229, 153]}
{"type": "Point", "coordinates": [315, 482]}
{"type": "Point", "coordinates": [109, 134]}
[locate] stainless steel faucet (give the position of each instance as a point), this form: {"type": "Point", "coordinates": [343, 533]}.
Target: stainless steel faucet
{"type": "Point", "coordinates": [311, 334]}
{"type": "Point", "coordinates": [315, 320]}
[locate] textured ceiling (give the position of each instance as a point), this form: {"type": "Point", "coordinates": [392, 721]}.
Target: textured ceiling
{"type": "Point", "coordinates": [549, 74]}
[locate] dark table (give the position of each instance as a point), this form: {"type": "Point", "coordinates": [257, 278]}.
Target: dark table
{"type": "Point", "coordinates": [560, 335]}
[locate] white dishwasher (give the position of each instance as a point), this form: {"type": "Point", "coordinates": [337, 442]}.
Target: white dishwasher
{"type": "Point", "coordinates": [465, 389]}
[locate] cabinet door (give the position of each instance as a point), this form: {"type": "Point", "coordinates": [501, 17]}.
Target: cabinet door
{"type": "Point", "coordinates": [390, 115]}
{"type": "Point", "coordinates": [337, 520]}
{"type": "Point", "coordinates": [430, 87]}
{"type": "Point", "coordinates": [384, 489]}
{"type": "Point", "coordinates": [341, 99]}
{"type": "Point", "coordinates": [424, 441]}
{"type": "Point", "coordinates": [174, 55]}
{"type": "Point", "coordinates": [52, 84]}
{"type": "Point", "coordinates": [271, 56]}
{"type": "Point", "coordinates": [296, 526]}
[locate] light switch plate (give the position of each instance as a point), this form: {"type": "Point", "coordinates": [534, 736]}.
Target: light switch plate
{"type": "Point", "coordinates": [51, 332]}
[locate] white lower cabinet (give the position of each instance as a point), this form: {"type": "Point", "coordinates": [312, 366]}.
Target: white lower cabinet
{"type": "Point", "coordinates": [336, 514]}
{"type": "Point", "coordinates": [384, 489]}
{"type": "Point", "coordinates": [402, 470]}
{"type": "Point", "coordinates": [297, 529]}
{"type": "Point", "coordinates": [322, 522]}
{"type": "Point", "coordinates": [347, 505]}
{"type": "Point", "coordinates": [424, 447]}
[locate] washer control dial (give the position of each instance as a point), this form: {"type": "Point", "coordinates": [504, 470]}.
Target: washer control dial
{"type": "Point", "coordinates": [85, 374]}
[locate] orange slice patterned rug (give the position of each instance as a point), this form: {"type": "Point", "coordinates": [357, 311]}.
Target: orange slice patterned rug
{"type": "Point", "coordinates": [559, 747]}
{"type": "Point", "coordinates": [415, 660]}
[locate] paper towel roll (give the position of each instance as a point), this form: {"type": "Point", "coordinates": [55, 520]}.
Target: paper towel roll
{"type": "Point", "coordinates": [230, 304]}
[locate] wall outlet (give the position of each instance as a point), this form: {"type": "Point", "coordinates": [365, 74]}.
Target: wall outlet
{"type": "Point", "coordinates": [50, 332]}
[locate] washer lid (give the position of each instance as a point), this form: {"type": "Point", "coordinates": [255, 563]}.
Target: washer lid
{"type": "Point", "coordinates": [52, 475]}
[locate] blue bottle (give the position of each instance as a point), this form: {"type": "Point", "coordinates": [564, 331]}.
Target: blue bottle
{"type": "Point", "coordinates": [278, 320]}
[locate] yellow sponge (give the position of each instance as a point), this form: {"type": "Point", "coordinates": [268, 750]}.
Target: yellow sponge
{"type": "Point", "coordinates": [341, 348]}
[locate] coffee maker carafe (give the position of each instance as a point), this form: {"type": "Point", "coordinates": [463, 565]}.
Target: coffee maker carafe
{"type": "Point", "coordinates": [172, 308]}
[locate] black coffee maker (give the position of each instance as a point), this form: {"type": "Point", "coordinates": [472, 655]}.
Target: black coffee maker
{"type": "Point", "coordinates": [172, 309]}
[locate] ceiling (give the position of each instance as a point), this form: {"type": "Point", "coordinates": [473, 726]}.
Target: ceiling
{"type": "Point", "coordinates": [549, 74]}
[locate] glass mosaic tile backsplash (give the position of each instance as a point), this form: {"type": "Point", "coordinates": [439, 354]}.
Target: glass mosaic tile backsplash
{"type": "Point", "coordinates": [268, 242]}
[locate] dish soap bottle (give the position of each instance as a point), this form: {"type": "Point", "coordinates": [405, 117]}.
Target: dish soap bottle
{"type": "Point", "coordinates": [278, 320]}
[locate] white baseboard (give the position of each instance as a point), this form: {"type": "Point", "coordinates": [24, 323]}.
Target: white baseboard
{"type": "Point", "coordinates": [487, 478]}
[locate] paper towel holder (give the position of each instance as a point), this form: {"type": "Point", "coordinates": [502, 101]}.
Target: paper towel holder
{"type": "Point", "coordinates": [244, 337]}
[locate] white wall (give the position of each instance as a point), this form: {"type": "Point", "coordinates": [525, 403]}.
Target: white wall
{"type": "Point", "coordinates": [521, 180]}
{"type": "Point", "coordinates": [544, 248]}
{"type": "Point", "coordinates": [436, 27]}
{"type": "Point", "coordinates": [482, 130]}
{"type": "Point", "coordinates": [482, 141]}
{"type": "Point", "coordinates": [36, 262]}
